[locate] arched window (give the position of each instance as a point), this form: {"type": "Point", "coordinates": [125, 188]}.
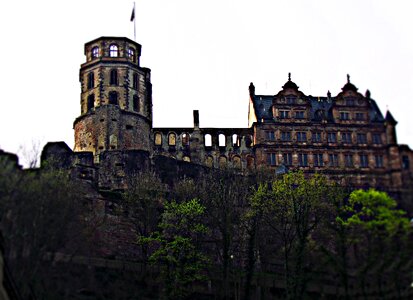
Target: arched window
{"type": "Point", "coordinates": [221, 140]}
{"type": "Point", "coordinates": [235, 140]}
{"type": "Point", "coordinates": [209, 161]}
{"type": "Point", "coordinates": [113, 77]}
{"type": "Point", "coordinates": [136, 103]}
{"type": "Point", "coordinates": [131, 54]}
{"type": "Point", "coordinates": [158, 139]}
{"type": "Point", "coordinates": [113, 98]}
{"type": "Point", "coordinates": [95, 52]}
{"type": "Point", "coordinates": [236, 162]}
{"type": "Point", "coordinates": [185, 139]}
{"type": "Point", "coordinates": [172, 139]}
{"type": "Point", "coordinates": [113, 50]}
{"type": "Point", "coordinates": [250, 162]}
{"type": "Point", "coordinates": [208, 140]}
{"type": "Point", "coordinates": [135, 81]}
{"type": "Point", "coordinates": [222, 162]}
{"type": "Point", "coordinates": [90, 102]}
{"type": "Point", "coordinates": [90, 80]}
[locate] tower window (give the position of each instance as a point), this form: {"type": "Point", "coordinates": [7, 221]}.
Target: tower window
{"type": "Point", "coordinates": [236, 141]}
{"type": "Point", "coordinates": [135, 81]}
{"type": "Point", "coordinates": [90, 80]}
{"type": "Point", "coordinates": [113, 77]}
{"type": "Point", "coordinates": [113, 50]}
{"type": "Point", "coordinates": [113, 98]}
{"type": "Point", "coordinates": [136, 103]}
{"type": "Point", "coordinates": [131, 54]}
{"type": "Point", "coordinates": [95, 52]}
{"type": "Point", "coordinates": [90, 102]}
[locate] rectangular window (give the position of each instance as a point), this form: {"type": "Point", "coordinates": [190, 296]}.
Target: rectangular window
{"type": "Point", "coordinates": [346, 137]}
{"type": "Point", "coordinates": [348, 160]}
{"type": "Point", "coordinates": [285, 136]}
{"type": "Point", "coordinates": [379, 161]}
{"type": "Point", "coordinates": [359, 116]}
{"type": "Point", "coordinates": [288, 159]}
{"type": "Point", "coordinates": [344, 115]}
{"type": "Point", "coordinates": [364, 161]}
{"type": "Point", "coordinates": [361, 138]}
{"type": "Point", "coordinates": [376, 138]}
{"type": "Point", "coordinates": [405, 162]}
{"type": "Point", "coordinates": [301, 136]}
{"type": "Point", "coordinates": [316, 137]}
{"type": "Point", "coordinates": [318, 160]}
{"type": "Point", "coordinates": [270, 136]}
{"type": "Point", "coordinates": [284, 114]}
{"type": "Point", "coordinates": [333, 158]}
{"type": "Point", "coordinates": [302, 160]}
{"type": "Point", "coordinates": [299, 114]}
{"type": "Point", "coordinates": [332, 137]}
{"type": "Point", "coordinates": [271, 159]}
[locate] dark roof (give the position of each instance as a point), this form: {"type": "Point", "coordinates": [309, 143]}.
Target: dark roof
{"type": "Point", "coordinates": [390, 119]}
{"type": "Point", "coordinates": [319, 107]}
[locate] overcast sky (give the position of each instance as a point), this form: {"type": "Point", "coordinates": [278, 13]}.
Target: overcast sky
{"type": "Point", "coordinates": [203, 55]}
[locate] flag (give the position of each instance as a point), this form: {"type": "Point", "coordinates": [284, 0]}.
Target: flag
{"type": "Point", "coordinates": [132, 17]}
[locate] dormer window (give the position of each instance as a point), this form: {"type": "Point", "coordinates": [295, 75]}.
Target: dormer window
{"type": "Point", "coordinates": [113, 50]}
{"type": "Point", "coordinates": [95, 52]}
{"type": "Point", "coordinates": [291, 99]}
{"type": "Point", "coordinates": [131, 54]}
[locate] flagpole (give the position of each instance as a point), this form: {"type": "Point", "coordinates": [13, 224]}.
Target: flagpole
{"type": "Point", "coordinates": [134, 22]}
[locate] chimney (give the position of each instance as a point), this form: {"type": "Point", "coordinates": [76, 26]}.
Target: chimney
{"type": "Point", "coordinates": [196, 119]}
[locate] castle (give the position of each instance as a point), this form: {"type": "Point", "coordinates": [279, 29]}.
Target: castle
{"type": "Point", "coordinates": [345, 136]}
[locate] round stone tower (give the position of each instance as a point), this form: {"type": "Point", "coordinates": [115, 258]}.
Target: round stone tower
{"type": "Point", "coordinates": [116, 98]}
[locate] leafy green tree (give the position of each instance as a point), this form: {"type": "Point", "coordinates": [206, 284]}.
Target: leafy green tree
{"type": "Point", "coordinates": [178, 247]}
{"type": "Point", "coordinates": [291, 207]}
{"type": "Point", "coordinates": [380, 226]}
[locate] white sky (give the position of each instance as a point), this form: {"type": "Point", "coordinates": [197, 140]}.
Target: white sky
{"type": "Point", "coordinates": [203, 55]}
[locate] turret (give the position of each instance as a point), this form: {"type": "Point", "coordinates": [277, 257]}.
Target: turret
{"type": "Point", "coordinates": [116, 98]}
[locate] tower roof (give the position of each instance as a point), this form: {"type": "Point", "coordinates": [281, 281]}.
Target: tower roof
{"type": "Point", "coordinates": [290, 84]}
{"type": "Point", "coordinates": [349, 86]}
{"type": "Point", "coordinates": [390, 119]}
